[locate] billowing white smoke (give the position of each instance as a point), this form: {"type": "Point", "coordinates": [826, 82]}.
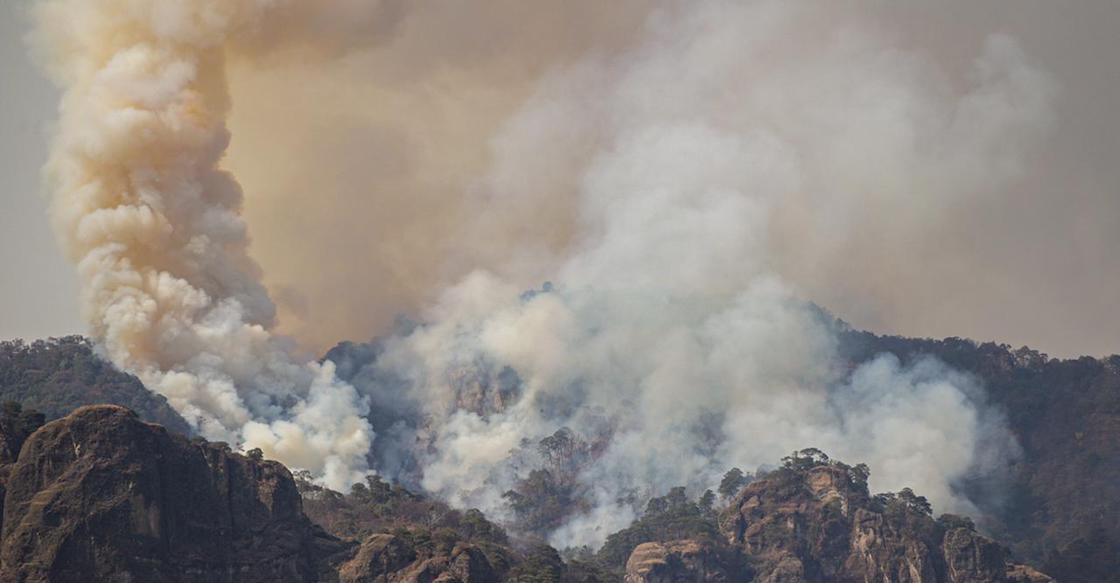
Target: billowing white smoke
{"type": "Point", "coordinates": [672, 334]}
{"type": "Point", "coordinates": [669, 324]}
{"type": "Point", "coordinates": [154, 225]}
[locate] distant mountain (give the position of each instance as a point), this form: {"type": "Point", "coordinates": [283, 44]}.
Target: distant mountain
{"type": "Point", "coordinates": [57, 375]}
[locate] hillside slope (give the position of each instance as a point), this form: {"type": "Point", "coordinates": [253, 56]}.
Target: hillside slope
{"type": "Point", "coordinates": [1061, 506]}
{"type": "Point", "coordinates": [101, 495]}
{"type": "Point", "coordinates": [57, 375]}
{"type": "Point", "coordinates": [1058, 509]}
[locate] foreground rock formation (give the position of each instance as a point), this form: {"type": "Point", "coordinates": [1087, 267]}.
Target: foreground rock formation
{"type": "Point", "coordinates": [102, 496]}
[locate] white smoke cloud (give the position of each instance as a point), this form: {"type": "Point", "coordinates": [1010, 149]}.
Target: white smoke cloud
{"type": "Point", "coordinates": [671, 322]}
{"type": "Point", "coordinates": [725, 154]}
{"type": "Point", "coordinates": [154, 224]}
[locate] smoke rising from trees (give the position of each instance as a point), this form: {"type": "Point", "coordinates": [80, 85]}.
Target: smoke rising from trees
{"type": "Point", "coordinates": [684, 190]}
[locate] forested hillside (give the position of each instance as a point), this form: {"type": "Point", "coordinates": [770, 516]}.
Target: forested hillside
{"type": "Point", "coordinates": [57, 375]}
{"type": "Point", "coordinates": [1061, 504]}
{"type": "Point", "coordinates": [1058, 508]}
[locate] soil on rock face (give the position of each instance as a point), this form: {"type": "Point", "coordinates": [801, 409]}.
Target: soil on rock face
{"type": "Point", "coordinates": [102, 496]}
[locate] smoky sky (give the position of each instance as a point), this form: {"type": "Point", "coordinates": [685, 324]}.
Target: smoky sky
{"type": "Point", "coordinates": [38, 290]}
{"type": "Point", "coordinates": [404, 134]}
{"type": "Point", "coordinates": [360, 177]}
{"type": "Point", "coordinates": [234, 180]}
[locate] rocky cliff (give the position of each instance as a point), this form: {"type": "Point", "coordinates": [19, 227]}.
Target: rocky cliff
{"type": "Point", "coordinates": [818, 523]}
{"type": "Point", "coordinates": [102, 496]}
{"type": "Point", "coordinates": [815, 522]}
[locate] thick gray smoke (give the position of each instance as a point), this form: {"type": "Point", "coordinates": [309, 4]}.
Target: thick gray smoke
{"type": "Point", "coordinates": [681, 184]}
{"type": "Point", "coordinates": [688, 158]}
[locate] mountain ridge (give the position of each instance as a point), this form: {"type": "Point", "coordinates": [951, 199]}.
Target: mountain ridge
{"type": "Point", "coordinates": [1061, 508]}
{"type": "Point", "coordinates": [102, 495]}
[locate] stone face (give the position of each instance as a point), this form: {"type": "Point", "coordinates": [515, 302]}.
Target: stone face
{"type": "Point", "coordinates": [818, 524]}
{"type": "Point", "coordinates": [682, 562]}
{"type": "Point", "coordinates": [972, 559]}
{"type": "Point", "coordinates": [101, 495]}
{"type": "Point", "coordinates": [384, 558]}
{"type": "Point", "coordinates": [378, 557]}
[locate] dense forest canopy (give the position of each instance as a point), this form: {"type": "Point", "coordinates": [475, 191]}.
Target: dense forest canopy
{"type": "Point", "coordinates": [57, 375]}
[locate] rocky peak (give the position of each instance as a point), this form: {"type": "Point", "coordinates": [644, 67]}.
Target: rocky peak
{"type": "Point", "coordinates": [814, 521]}
{"type": "Point", "coordinates": [101, 495]}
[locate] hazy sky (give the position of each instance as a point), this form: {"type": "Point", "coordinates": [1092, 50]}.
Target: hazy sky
{"type": "Point", "coordinates": [1035, 266]}
{"type": "Point", "coordinates": [38, 291]}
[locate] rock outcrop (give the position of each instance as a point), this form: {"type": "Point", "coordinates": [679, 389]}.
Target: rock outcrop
{"type": "Point", "coordinates": [684, 561]}
{"type": "Point", "coordinates": [385, 558]}
{"type": "Point", "coordinates": [813, 521]}
{"type": "Point", "coordinates": [817, 523]}
{"type": "Point", "coordinates": [102, 496]}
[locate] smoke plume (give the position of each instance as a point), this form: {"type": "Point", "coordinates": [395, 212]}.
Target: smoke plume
{"type": "Point", "coordinates": [682, 173]}
{"type": "Point", "coordinates": [695, 168]}
{"type": "Point", "coordinates": [154, 224]}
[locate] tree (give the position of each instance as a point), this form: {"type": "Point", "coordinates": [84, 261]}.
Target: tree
{"type": "Point", "coordinates": [804, 459]}
{"type": "Point", "coordinates": [952, 521]}
{"type": "Point", "coordinates": [707, 501]}
{"type": "Point", "coordinates": [669, 517]}
{"type": "Point", "coordinates": [558, 448]}
{"type": "Point", "coordinates": [732, 482]}
{"type": "Point", "coordinates": [11, 409]}
{"type": "Point", "coordinates": [859, 474]}
{"type": "Point", "coordinates": [58, 375]}
{"type": "Point", "coordinates": [912, 500]}
{"type": "Point", "coordinates": [17, 424]}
